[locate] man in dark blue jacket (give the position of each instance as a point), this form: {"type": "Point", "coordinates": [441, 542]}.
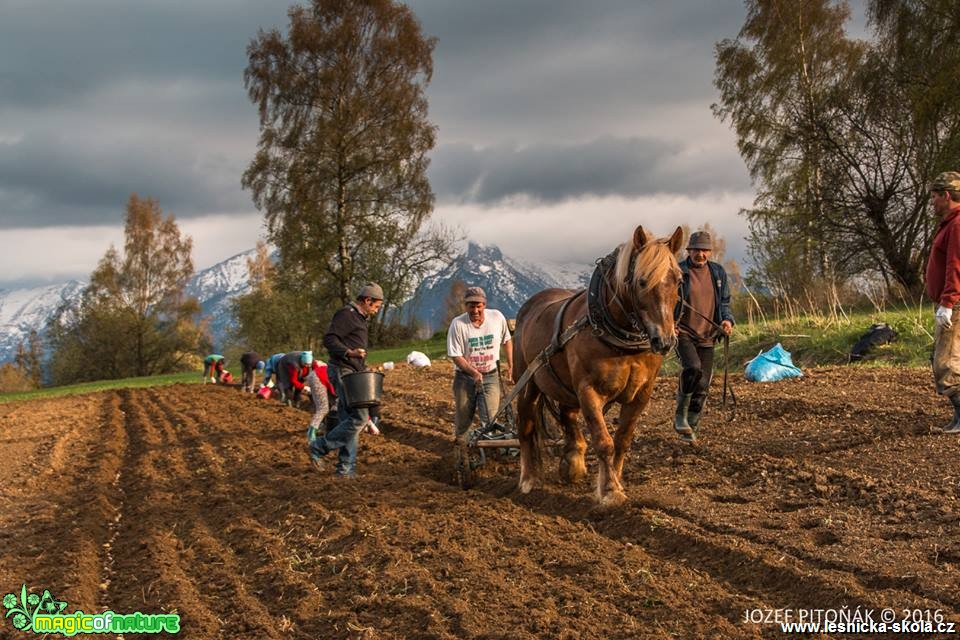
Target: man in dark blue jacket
{"type": "Point", "coordinates": [346, 341]}
{"type": "Point", "coordinates": [702, 314]}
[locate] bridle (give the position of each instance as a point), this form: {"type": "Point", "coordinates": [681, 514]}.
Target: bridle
{"type": "Point", "coordinates": [602, 294]}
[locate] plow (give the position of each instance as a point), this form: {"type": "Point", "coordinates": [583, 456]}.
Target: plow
{"type": "Point", "coordinates": [499, 432]}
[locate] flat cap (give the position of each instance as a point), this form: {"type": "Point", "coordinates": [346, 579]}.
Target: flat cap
{"type": "Point", "coordinates": [474, 294]}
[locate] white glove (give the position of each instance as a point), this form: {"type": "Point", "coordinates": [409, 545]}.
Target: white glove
{"type": "Point", "coordinates": [306, 388]}
{"type": "Point", "coordinates": [270, 384]}
{"type": "Point", "coordinates": [943, 317]}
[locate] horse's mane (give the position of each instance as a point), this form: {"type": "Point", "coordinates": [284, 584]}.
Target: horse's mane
{"type": "Point", "coordinates": [653, 263]}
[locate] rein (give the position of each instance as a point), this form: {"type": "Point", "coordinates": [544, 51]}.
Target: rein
{"type": "Point", "coordinates": [599, 319]}
{"type": "Point", "coordinates": [727, 386]}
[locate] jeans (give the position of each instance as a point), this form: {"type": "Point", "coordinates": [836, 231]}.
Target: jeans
{"type": "Point", "coordinates": [465, 400]}
{"type": "Point", "coordinates": [346, 435]}
{"type": "Point", "coordinates": [697, 362]}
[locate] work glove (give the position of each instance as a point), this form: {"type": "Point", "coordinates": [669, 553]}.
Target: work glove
{"type": "Point", "coordinates": [270, 384]}
{"type": "Point", "coordinates": [371, 428]}
{"type": "Point", "coordinates": [306, 388]}
{"type": "Point", "coordinates": [943, 317]}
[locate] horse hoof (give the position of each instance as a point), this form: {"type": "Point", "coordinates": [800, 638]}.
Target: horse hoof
{"type": "Point", "coordinates": [572, 473]}
{"type": "Point", "coordinates": [613, 499]}
{"type": "Point", "coordinates": [526, 486]}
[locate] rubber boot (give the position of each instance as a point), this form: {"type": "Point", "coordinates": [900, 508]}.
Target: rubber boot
{"type": "Point", "coordinates": [954, 425]}
{"type": "Point", "coordinates": [693, 419]}
{"type": "Point", "coordinates": [680, 423]}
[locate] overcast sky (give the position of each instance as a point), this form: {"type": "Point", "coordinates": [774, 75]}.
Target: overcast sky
{"type": "Point", "coordinates": [562, 124]}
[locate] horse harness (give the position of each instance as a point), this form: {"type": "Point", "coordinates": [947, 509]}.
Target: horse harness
{"type": "Point", "coordinates": [604, 326]}
{"type": "Point", "coordinates": [629, 340]}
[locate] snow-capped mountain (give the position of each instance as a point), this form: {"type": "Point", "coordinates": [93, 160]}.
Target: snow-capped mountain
{"type": "Point", "coordinates": [508, 283]}
{"type": "Point", "coordinates": [24, 309]}
{"type": "Point", "coordinates": [215, 286]}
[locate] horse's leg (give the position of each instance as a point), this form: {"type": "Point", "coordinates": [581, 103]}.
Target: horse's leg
{"type": "Point", "coordinates": [609, 491]}
{"type": "Point", "coordinates": [526, 432]}
{"type": "Point", "coordinates": [629, 419]}
{"type": "Point", "coordinates": [572, 465]}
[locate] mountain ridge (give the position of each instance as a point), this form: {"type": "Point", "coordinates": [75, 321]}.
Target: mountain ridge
{"type": "Point", "coordinates": [507, 281]}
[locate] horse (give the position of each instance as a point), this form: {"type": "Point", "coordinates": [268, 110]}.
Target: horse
{"type": "Point", "coordinates": [632, 298]}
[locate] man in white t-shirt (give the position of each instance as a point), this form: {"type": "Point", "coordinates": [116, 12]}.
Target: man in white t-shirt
{"type": "Point", "coordinates": [474, 341]}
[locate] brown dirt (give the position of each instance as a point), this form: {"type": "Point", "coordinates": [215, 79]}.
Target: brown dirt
{"type": "Point", "coordinates": [825, 492]}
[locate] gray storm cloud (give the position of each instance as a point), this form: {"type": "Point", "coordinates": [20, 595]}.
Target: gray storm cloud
{"type": "Point", "coordinates": [546, 99]}
{"type": "Point", "coordinates": [550, 173]}
{"type": "Point", "coordinates": [47, 181]}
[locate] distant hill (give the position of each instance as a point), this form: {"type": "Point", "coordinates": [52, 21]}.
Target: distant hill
{"type": "Point", "coordinates": [507, 281]}
{"type": "Point", "coordinates": [24, 309]}
{"type": "Point", "coordinates": [215, 287]}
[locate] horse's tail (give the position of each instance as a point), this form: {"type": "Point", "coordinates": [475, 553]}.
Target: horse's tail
{"type": "Point", "coordinates": [538, 445]}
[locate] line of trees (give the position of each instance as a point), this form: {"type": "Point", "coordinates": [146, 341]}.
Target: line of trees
{"type": "Point", "coordinates": [842, 137]}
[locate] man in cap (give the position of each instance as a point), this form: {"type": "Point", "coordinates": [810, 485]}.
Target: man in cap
{"type": "Point", "coordinates": [474, 341]}
{"type": "Point", "coordinates": [702, 314]}
{"type": "Point", "coordinates": [346, 341]}
{"type": "Point", "coordinates": [250, 363]}
{"type": "Point", "coordinates": [943, 287]}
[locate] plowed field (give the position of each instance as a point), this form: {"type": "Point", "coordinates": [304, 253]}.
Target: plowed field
{"type": "Point", "coordinates": [825, 492]}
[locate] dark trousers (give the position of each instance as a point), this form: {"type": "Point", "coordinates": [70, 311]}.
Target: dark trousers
{"type": "Point", "coordinates": [697, 363]}
{"type": "Point", "coordinates": [246, 383]}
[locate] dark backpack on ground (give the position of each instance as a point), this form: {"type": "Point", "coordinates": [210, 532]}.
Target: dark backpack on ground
{"type": "Point", "coordinates": [879, 334]}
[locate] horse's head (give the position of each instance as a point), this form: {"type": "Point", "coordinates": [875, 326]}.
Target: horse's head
{"type": "Point", "coordinates": [648, 276]}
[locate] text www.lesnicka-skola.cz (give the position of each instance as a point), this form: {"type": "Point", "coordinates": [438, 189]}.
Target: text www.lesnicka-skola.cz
{"type": "Point", "coordinates": [853, 620]}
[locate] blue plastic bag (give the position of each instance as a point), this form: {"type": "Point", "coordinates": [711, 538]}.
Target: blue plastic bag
{"type": "Point", "coordinates": [770, 366]}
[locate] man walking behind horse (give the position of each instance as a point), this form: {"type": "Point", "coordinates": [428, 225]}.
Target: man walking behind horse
{"type": "Point", "coordinates": [703, 313]}
{"type": "Point", "coordinates": [474, 341]}
{"type": "Point", "coordinates": [346, 341]}
{"type": "Point", "coordinates": [943, 287]}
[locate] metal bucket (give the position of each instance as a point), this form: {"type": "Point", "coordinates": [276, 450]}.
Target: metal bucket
{"type": "Point", "coordinates": [362, 388]}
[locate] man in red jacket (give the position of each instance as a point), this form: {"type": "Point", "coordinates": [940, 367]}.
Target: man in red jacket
{"type": "Point", "coordinates": [943, 287]}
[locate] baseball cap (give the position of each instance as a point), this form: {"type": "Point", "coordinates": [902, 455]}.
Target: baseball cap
{"type": "Point", "coordinates": [946, 181]}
